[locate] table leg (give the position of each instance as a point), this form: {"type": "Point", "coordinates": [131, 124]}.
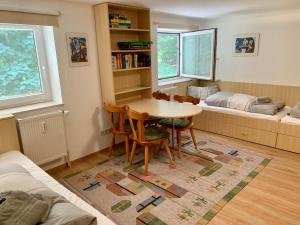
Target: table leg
{"type": "Point", "coordinates": [173, 144]}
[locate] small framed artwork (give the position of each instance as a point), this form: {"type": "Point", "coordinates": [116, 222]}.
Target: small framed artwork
{"type": "Point", "coordinates": [245, 44]}
{"type": "Point", "coordinates": [78, 49]}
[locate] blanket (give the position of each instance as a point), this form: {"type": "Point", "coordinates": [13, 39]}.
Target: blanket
{"type": "Point", "coordinates": [295, 112]}
{"type": "Point", "coordinates": [244, 102]}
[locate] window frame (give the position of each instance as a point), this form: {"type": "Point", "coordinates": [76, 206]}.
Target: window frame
{"type": "Point", "coordinates": [213, 53]}
{"type": "Point", "coordinates": [46, 94]}
{"type": "Point", "coordinates": [178, 67]}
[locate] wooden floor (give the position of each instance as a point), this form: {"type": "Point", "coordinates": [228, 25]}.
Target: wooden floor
{"type": "Point", "coordinates": [272, 198]}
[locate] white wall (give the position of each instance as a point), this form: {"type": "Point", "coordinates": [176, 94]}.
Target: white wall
{"type": "Point", "coordinates": [80, 85]}
{"type": "Point", "coordinates": [278, 57]}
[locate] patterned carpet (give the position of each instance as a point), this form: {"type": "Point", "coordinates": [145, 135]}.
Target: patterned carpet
{"type": "Point", "coordinates": [192, 192]}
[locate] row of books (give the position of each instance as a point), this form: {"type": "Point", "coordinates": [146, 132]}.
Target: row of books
{"type": "Point", "coordinates": [134, 45]}
{"type": "Point", "coordinates": [119, 21]}
{"type": "Point", "coordinates": [127, 61]}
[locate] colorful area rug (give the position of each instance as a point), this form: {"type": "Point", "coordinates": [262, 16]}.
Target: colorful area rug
{"type": "Point", "coordinates": [192, 192]}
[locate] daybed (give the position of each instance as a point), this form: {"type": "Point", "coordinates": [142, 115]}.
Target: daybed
{"type": "Point", "coordinates": [253, 127]}
{"type": "Point", "coordinates": [15, 157]}
{"type": "Point", "coordinates": [289, 134]}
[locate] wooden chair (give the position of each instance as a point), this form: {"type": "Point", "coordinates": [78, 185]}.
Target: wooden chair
{"type": "Point", "coordinates": [146, 136]}
{"type": "Point", "coordinates": [159, 96]}
{"type": "Point", "coordinates": [120, 128]}
{"type": "Point", "coordinates": [182, 124]}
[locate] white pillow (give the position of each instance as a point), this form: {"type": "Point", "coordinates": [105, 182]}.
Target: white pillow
{"type": "Point", "coordinates": [202, 92]}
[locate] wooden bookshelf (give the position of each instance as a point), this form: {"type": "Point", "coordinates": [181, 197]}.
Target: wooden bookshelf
{"type": "Point", "coordinates": [131, 69]}
{"type": "Point", "coordinates": [129, 29]}
{"type": "Point", "coordinates": [119, 85]}
{"type": "Point", "coordinates": [131, 51]}
{"type": "Point", "coordinates": [131, 89]}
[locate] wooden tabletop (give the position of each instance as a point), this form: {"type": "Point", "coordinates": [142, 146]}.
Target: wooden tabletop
{"type": "Point", "coordinates": [164, 109]}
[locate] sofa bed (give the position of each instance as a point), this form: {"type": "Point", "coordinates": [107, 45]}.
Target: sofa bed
{"type": "Point", "coordinates": [18, 173]}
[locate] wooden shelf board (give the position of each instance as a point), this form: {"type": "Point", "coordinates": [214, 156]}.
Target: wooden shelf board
{"type": "Point", "coordinates": [125, 51]}
{"type": "Point", "coordinates": [130, 69]}
{"type": "Point", "coordinates": [131, 89]}
{"type": "Point", "coordinates": [129, 29]}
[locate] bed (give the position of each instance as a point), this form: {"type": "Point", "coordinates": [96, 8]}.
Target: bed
{"type": "Point", "coordinates": [253, 127]}
{"type": "Point", "coordinates": [17, 157]}
{"type": "Point", "coordinates": [289, 134]}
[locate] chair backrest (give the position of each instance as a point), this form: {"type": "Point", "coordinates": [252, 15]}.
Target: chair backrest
{"type": "Point", "coordinates": [138, 129]}
{"type": "Point", "coordinates": [190, 99]}
{"type": "Point", "coordinates": [120, 112]}
{"type": "Point", "coordinates": [161, 96]}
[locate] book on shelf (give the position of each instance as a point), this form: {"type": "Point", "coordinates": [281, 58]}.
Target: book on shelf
{"type": "Point", "coordinates": [134, 45]}
{"type": "Point", "coordinates": [127, 61]}
{"type": "Point", "coordinates": [119, 21]}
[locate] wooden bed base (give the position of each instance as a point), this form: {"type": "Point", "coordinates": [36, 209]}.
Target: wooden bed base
{"type": "Point", "coordinates": [255, 130]}
{"type": "Point", "coordinates": [288, 137]}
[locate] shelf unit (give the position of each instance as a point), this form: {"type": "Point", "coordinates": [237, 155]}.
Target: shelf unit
{"type": "Point", "coordinates": [120, 85]}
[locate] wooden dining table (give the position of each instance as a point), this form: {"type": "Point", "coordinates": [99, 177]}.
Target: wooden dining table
{"type": "Point", "coordinates": [165, 109]}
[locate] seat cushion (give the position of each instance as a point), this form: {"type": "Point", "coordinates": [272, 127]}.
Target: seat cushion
{"type": "Point", "coordinates": [179, 123]}
{"type": "Point", "coordinates": [153, 133]}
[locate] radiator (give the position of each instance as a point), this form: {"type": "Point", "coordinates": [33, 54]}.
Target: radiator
{"type": "Point", "coordinates": [43, 137]}
{"type": "Point", "coordinates": [170, 90]}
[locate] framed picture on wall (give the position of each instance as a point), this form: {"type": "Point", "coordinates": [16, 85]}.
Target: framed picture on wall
{"type": "Point", "coordinates": [245, 44]}
{"type": "Point", "coordinates": [78, 49]}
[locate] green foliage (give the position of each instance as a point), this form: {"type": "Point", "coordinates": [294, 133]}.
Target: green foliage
{"type": "Point", "coordinates": [19, 71]}
{"type": "Point", "coordinates": [167, 45]}
{"type": "Point", "coordinates": [166, 70]}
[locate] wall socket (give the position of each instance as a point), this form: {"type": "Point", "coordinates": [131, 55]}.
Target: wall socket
{"type": "Point", "coordinates": [105, 132]}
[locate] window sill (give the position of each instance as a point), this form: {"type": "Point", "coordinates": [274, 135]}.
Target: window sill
{"type": "Point", "coordinates": [173, 81]}
{"type": "Point", "coordinates": [28, 108]}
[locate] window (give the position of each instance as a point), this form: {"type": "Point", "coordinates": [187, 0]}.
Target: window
{"type": "Point", "coordinates": [168, 55]}
{"type": "Point", "coordinates": [23, 69]}
{"type": "Point", "coordinates": [186, 54]}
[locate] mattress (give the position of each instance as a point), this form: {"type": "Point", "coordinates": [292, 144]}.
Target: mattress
{"type": "Point", "coordinates": [18, 158]}
{"type": "Point", "coordinates": [275, 117]}
{"type": "Point", "coordinates": [290, 120]}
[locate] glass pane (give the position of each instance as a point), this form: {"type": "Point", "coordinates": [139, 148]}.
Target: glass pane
{"type": "Point", "coordinates": [196, 54]}
{"type": "Point", "coordinates": [19, 70]}
{"type": "Point", "coordinates": [167, 53]}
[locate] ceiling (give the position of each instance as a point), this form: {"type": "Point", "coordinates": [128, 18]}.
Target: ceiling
{"type": "Point", "coordinates": [206, 8]}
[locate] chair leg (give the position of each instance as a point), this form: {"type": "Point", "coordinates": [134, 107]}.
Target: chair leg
{"type": "Point", "coordinates": [179, 144]}
{"type": "Point", "coordinates": [193, 137]}
{"type": "Point", "coordinates": [127, 147]}
{"type": "Point", "coordinates": [132, 152]}
{"type": "Point", "coordinates": [166, 145]}
{"type": "Point", "coordinates": [111, 146]}
{"type": "Point", "coordinates": [146, 159]}
{"type": "Point", "coordinates": [159, 149]}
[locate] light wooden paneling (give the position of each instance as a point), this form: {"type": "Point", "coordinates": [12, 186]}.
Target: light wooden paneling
{"type": "Point", "coordinates": [8, 134]}
{"type": "Point", "coordinates": [289, 94]}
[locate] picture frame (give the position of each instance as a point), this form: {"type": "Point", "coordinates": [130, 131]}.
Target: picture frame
{"type": "Point", "coordinates": [78, 52]}
{"type": "Point", "coordinates": [245, 44]}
